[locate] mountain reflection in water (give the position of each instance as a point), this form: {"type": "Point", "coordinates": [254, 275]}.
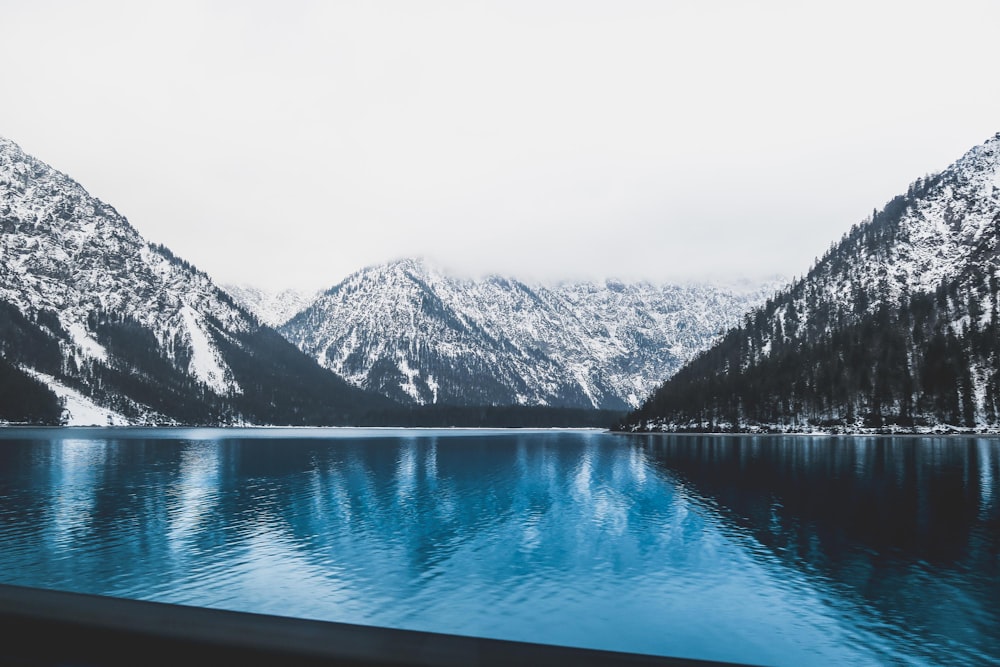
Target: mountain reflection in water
{"type": "Point", "coordinates": [906, 529]}
{"type": "Point", "coordinates": [766, 550]}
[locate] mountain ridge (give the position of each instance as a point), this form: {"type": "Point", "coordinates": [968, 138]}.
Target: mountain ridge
{"type": "Point", "coordinates": [411, 331]}
{"type": "Point", "coordinates": [894, 328]}
{"type": "Point", "coordinates": [127, 327]}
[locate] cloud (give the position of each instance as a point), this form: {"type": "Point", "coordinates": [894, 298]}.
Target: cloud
{"type": "Point", "coordinates": [293, 143]}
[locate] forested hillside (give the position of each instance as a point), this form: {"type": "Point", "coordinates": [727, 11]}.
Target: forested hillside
{"type": "Point", "coordinates": [895, 327]}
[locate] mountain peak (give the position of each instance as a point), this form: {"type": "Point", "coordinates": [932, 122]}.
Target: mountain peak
{"type": "Point", "coordinates": [981, 164]}
{"type": "Point", "coordinates": [416, 263]}
{"type": "Point", "coordinates": [8, 145]}
{"type": "Point", "coordinates": [417, 266]}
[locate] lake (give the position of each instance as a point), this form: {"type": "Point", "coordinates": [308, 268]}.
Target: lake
{"type": "Point", "coordinates": [761, 549]}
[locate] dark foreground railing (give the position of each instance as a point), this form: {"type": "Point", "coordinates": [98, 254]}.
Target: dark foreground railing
{"type": "Point", "coordinates": [42, 628]}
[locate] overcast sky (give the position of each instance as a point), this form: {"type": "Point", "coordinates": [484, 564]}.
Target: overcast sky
{"type": "Point", "coordinates": [291, 143]}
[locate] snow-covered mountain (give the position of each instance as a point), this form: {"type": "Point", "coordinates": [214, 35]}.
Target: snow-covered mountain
{"type": "Point", "coordinates": [124, 330]}
{"type": "Point", "coordinates": [895, 327]}
{"type": "Point", "coordinates": [272, 307]}
{"type": "Point", "coordinates": [413, 333]}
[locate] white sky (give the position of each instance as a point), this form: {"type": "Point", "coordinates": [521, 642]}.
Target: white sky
{"type": "Point", "coordinates": [291, 143]}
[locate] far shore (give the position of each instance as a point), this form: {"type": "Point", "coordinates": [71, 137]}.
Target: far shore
{"type": "Point", "coordinates": [817, 434]}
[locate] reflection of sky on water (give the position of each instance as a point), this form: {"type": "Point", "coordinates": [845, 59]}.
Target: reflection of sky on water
{"type": "Point", "coordinates": [197, 481]}
{"type": "Point", "coordinates": [72, 478]}
{"type": "Point", "coordinates": [987, 463]}
{"type": "Point", "coordinates": [778, 551]}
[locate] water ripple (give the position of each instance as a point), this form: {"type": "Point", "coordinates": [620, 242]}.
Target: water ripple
{"type": "Point", "coordinates": [771, 551]}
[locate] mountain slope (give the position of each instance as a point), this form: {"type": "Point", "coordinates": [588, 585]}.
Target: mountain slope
{"type": "Point", "coordinates": [88, 306]}
{"type": "Point", "coordinates": [895, 327]}
{"type": "Point", "coordinates": [415, 334]}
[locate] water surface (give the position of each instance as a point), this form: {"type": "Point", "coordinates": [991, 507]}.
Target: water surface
{"type": "Point", "coordinates": [768, 550]}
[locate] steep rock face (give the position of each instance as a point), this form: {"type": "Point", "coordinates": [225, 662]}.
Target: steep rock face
{"type": "Point", "coordinates": [413, 333]}
{"type": "Point", "coordinates": [895, 327]}
{"type": "Point", "coordinates": [127, 325]}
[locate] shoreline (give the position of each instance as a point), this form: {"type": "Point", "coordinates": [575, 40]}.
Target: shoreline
{"type": "Point", "coordinates": [251, 432]}
{"type": "Point", "coordinates": [815, 434]}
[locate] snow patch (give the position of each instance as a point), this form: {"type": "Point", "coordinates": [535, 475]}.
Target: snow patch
{"type": "Point", "coordinates": [205, 363]}
{"type": "Point", "coordinates": [581, 380]}
{"type": "Point", "coordinates": [433, 384]}
{"type": "Point", "coordinates": [409, 386]}
{"type": "Point", "coordinates": [78, 409]}
{"type": "Point", "coordinates": [90, 347]}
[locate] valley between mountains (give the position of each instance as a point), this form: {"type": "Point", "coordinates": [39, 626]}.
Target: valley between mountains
{"type": "Point", "coordinates": [894, 328]}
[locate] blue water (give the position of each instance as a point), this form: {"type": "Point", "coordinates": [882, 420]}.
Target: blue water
{"type": "Point", "coordinates": [767, 550]}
